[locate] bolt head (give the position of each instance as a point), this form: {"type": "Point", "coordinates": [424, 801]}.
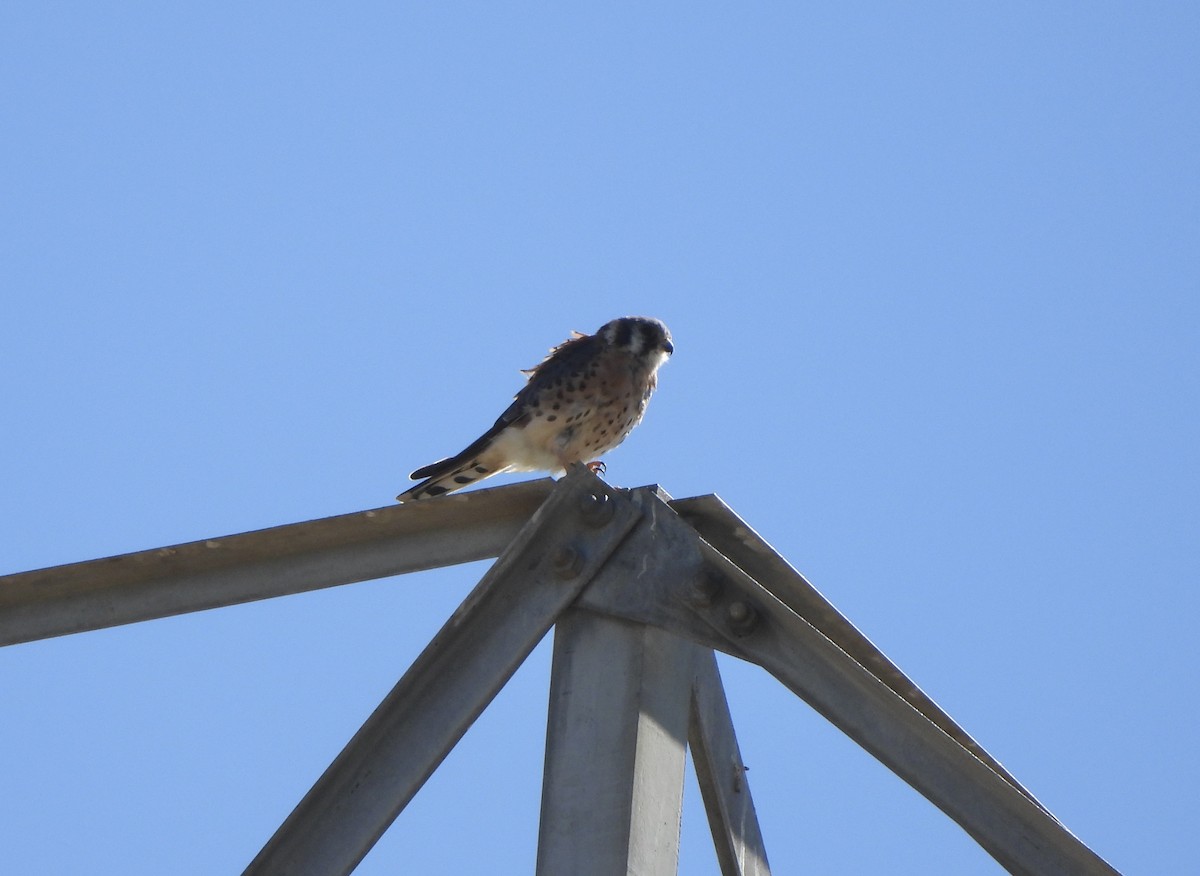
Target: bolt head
{"type": "Point", "coordinates": [597, 510]}
{"type": "Point", "coordinates": [703, 590]}
{"type": "Point", "coordinates": [567, 562]}
{"type": "Point", "coordinates": [743, 617]}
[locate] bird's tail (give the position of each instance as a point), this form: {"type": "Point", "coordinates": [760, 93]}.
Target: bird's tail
{"type": "Point", "coordinates": [446, 476]}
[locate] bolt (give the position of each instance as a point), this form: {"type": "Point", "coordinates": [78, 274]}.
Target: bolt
{"type": "Point", "coordinates": [597, 510]}
{"type": "Point", "coordinates": [567, 562]}
{"type": "Point", "coordinates": [703, 590]}
{"type": "Point", "coordinates": [743, 617]}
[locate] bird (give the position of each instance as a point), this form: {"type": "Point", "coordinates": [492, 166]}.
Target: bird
{"type": "Point", "coordinates": [580, 402]}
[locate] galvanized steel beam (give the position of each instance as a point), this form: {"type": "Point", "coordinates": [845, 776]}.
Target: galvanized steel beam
{"type": "Point", "coordinates": [721, 527]}
{"type": "Point", "coordinates": [616, 740]}
{"type": "Point", "coordinates": [551, 560]}
{"type": "Point", "coordinates": [289, 559]}
{"type": "Point", "coordinates": [722, 607]}
{"type": "Point", "coordinates": [721, 774]}
{"type": "Point", "coordinates": [718, 584]}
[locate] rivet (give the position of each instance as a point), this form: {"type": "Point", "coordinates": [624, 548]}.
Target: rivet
{"type": "Point", "coordinates": [703, 590]}
{"type": "Point", "coordinates": [743, 617]}
{"type": "Point", "coordinates": [567, 562]}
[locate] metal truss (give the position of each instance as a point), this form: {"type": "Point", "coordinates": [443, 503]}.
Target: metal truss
{"type": "Point", "coordinates": [640, 590]}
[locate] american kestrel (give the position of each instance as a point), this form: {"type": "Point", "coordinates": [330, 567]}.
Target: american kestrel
{"type": "Point", "coordinates": [580, 402]}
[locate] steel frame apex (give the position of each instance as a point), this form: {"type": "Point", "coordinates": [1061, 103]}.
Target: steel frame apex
{"type": "Point", "coordinates": [632, 568]}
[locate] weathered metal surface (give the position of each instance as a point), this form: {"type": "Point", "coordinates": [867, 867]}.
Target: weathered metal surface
{"type": "Point", "coordinates": [561, 548]}
{"type": "Point", "coordinates": [270, 562]}
{"type": "Point", "coordinates": [720, 606]}
{"type": "Point", "coordinates": [721, 774]}
{"type": "Point", "coordinates": [721, 527]}
{"type": "Point", "coordinates": [718, 584]}
{"type": "Point", "coordinates": [616, 740]}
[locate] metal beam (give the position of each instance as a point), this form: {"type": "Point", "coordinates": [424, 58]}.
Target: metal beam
{"type": "Point", "coordinates": [722, 607]}
{"type": "Point", "coordinates": [721, 527]}
{"type": "Point", "coordinates": [719, 584]}
{"type": "Point", "coordinates": [616, 740]}
{"type": "Point", "coordinates": [553, 557]}
{"type": "Point", "coordinates": [289, 559]}
{"type": "Point", "coordinates": [721, 774]}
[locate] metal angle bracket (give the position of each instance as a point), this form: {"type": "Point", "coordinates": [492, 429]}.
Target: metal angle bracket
{"type": "Point", "coordinates": [662, 576]}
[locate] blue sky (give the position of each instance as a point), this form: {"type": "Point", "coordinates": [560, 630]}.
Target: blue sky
{"type": "Point", "coordinates": [933, 273]}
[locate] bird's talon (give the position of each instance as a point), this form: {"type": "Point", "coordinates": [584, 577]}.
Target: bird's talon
{"type": "Point", "coordinates": [597, 467]}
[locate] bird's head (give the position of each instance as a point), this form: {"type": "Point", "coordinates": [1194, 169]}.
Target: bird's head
{"type": "Point", "coordinates": [641, 336]}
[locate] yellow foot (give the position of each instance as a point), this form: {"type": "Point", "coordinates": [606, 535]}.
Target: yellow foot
{"type": "Point", "coordinates": [596, 467]}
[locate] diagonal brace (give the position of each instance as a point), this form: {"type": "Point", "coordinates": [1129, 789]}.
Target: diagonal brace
{"type": "Point", "coordinates": [721, 774]}
{"type": "Point", "coordinates": [551, 560]}
{"type": "Point", "coordinates": [720, 527]}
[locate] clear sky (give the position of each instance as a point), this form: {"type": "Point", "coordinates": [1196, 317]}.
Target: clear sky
{"type": "Point", "coordinates": [933, 274]}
